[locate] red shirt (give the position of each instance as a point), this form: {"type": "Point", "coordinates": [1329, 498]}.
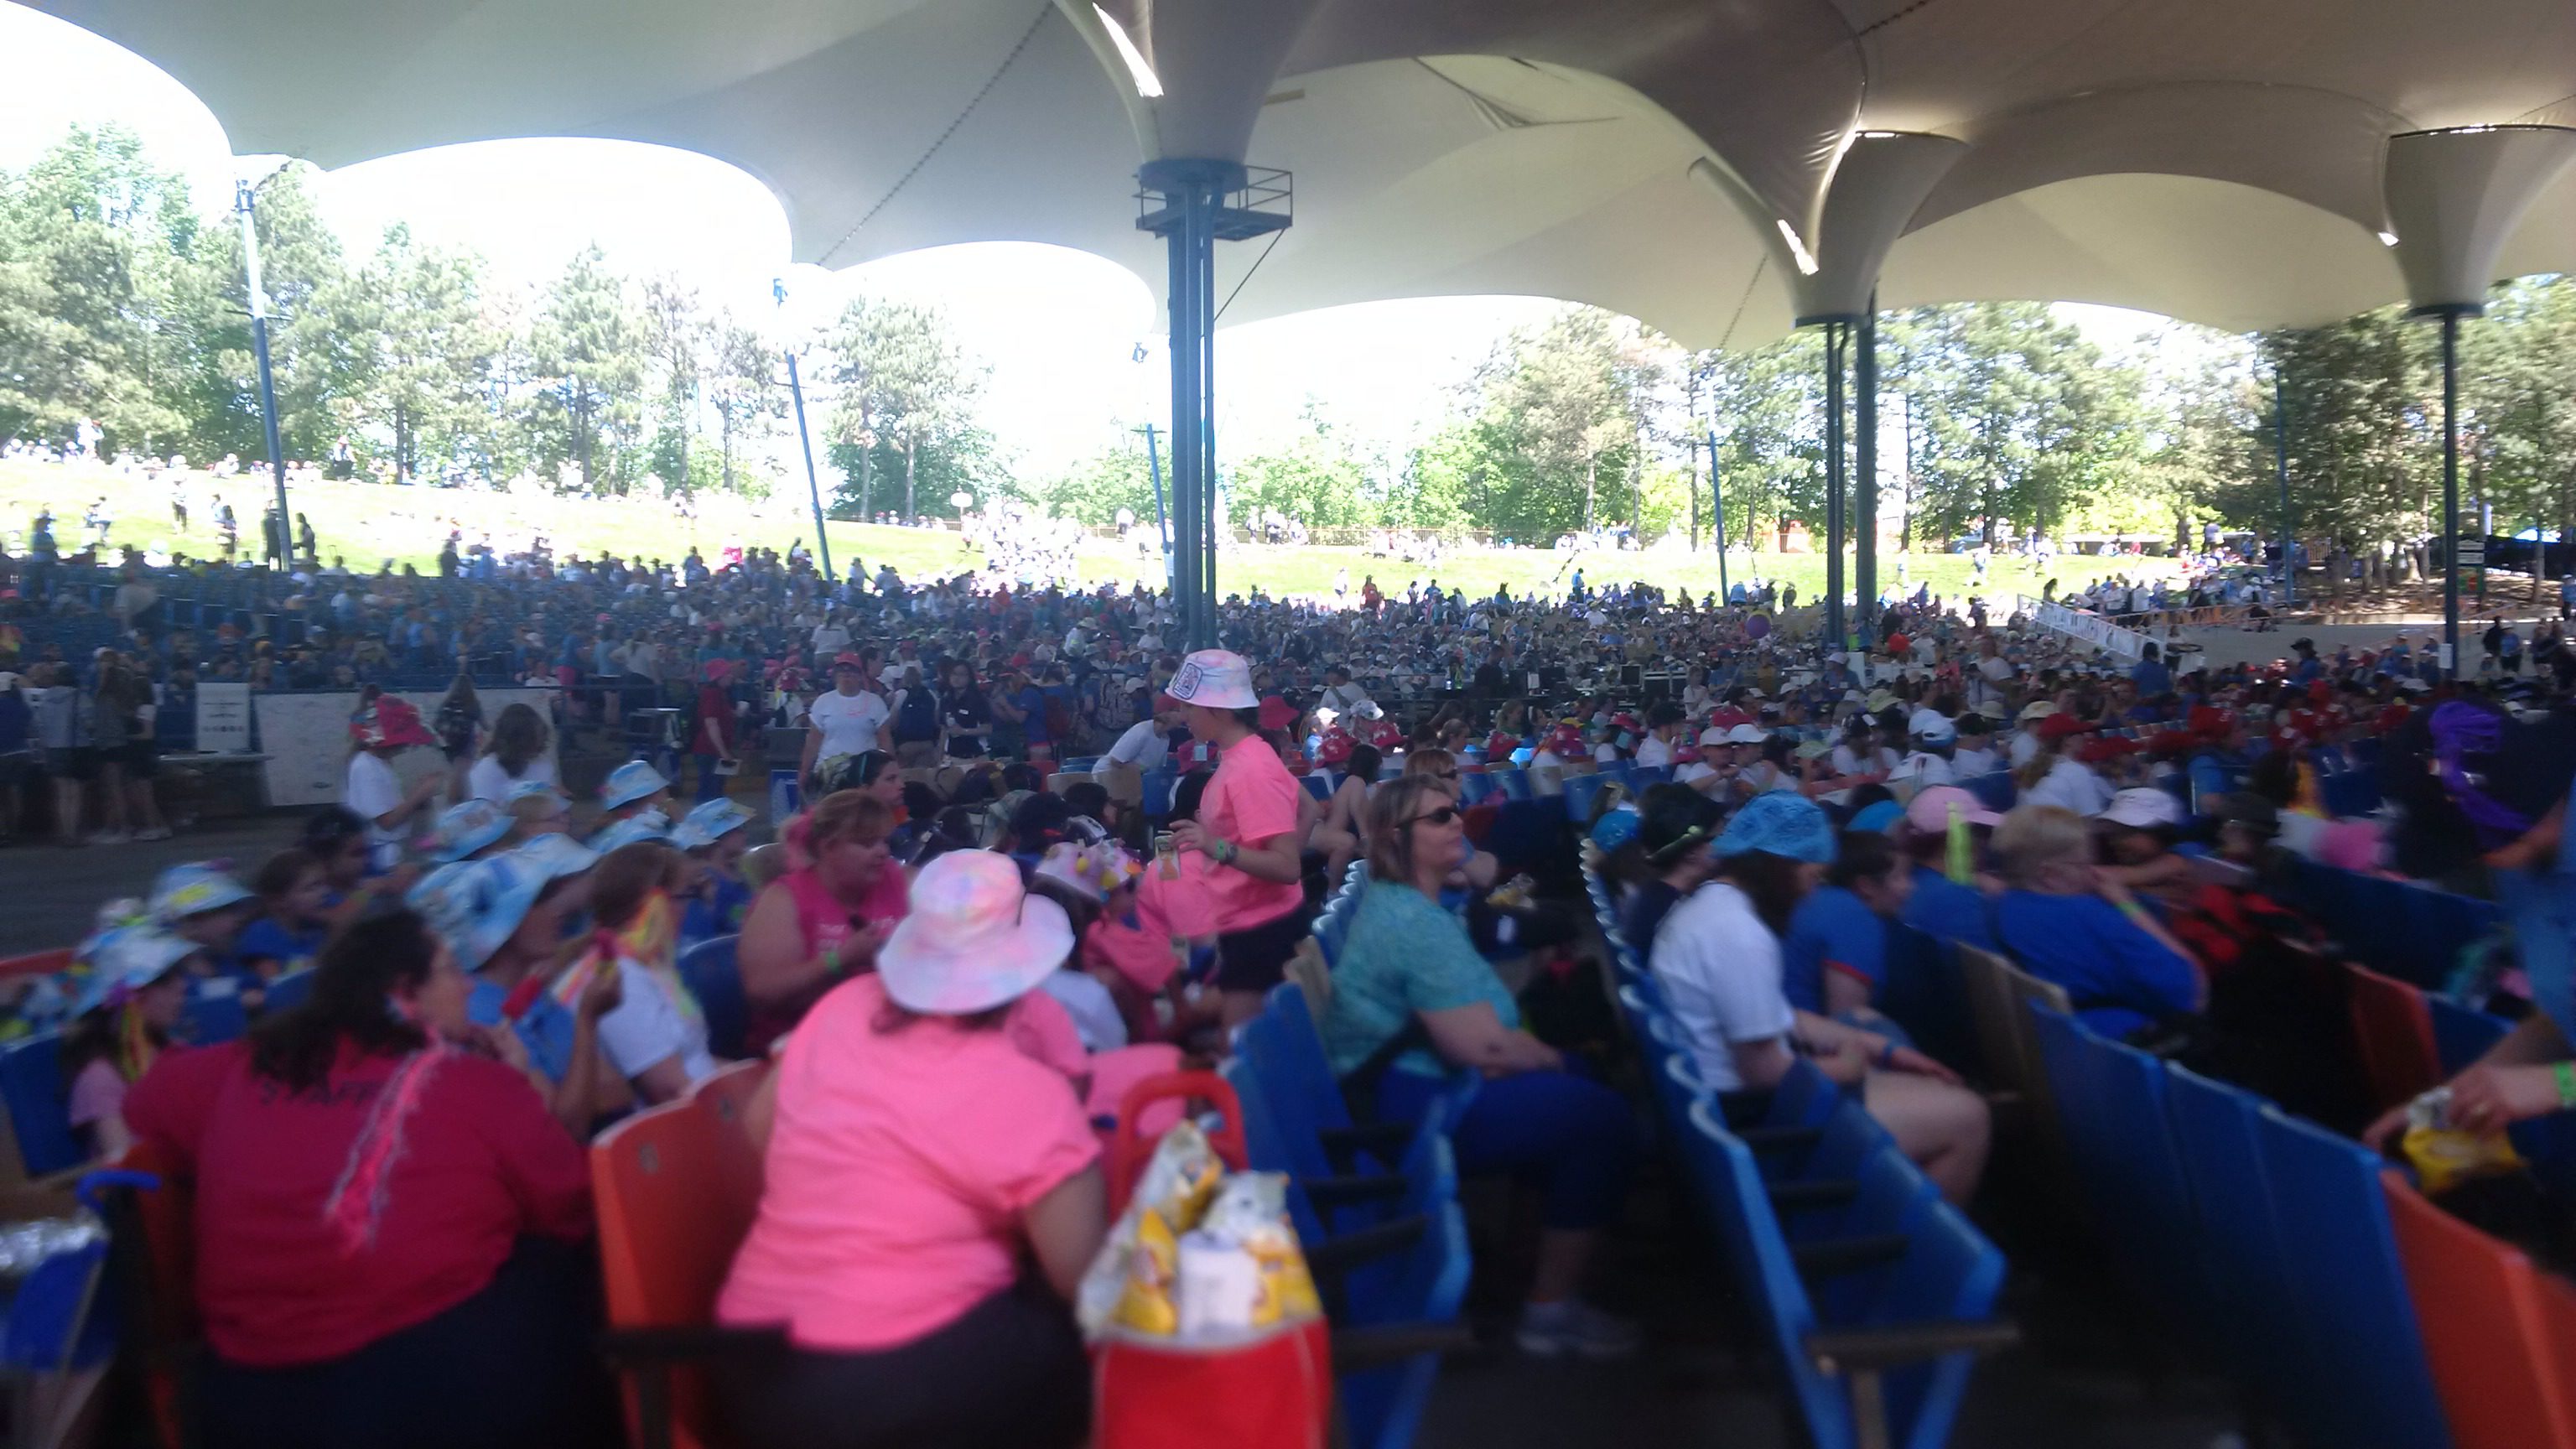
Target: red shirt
{"type": "Point", "coordinates": [1250, 800]}
{"type": "Point", "coordinates": [714, 706]}
{"type": "Point", "coordinates": [478, 1163]}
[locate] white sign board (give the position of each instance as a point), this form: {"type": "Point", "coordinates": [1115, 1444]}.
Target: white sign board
{"type": "Point", "coordinates": [223, 718]}
{"type": "Point", "coordinates": [306, 738]}
{"type": "Point", "coordinates": [2092, 629]}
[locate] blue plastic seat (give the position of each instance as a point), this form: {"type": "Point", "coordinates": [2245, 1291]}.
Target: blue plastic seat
{"type": "Point", "coordinates": [2119, 1135]}
{"type": "Point", "coordinates": [1515, 783]}
{"type": "Point", "coordinates": [288, 992]}
{"type": "Point", "coordinates": [1947, 1275]}
{"type": "Point", "coordinates": [1580, 793]}
{"type": "Point", "coordinates": [1318, 784]}
{"type": "Point", "coordinates": [2462, 1034]}
{"type": "Point", "coordinates": [1921, 991]}
{"type": "Point", "coordinates": [2255, 1328]}
{"type": "Point", "coordinates": [2348, 1287]}
{"type": "Point", "coordinates": [1157, 793]}
{"type": "Point", "coordinates": [39, 1103]}
{"type": "Point", "coordinates": [714, 977]}
{"type": "Point", "coordinates": [1475, 789]}
{"type": "Point", "coordinates": [1993, 790]}
{"type": "Point", "coordinates": [211, 1020]}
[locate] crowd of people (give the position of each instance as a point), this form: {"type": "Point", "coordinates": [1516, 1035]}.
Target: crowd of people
{"type": "Point", "coordinates": [969, 932]}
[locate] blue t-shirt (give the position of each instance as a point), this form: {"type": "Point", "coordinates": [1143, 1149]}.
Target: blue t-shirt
{"type": "Point", "coordinates": [718, 914]}
{"type": "Point", "coordinates": [1831, 930]}
{"type": "Point", "coordinates": [1404, 956]}
{"type": "Point", "coordinates": [1943, 908]}
{"type": "Point", "coordinates": [546, 1028]}
{"type": "Point", "coordinates": [2119, 977]}
{"type": "Point", "coordinates": [267, 940]}
{"type": "Point", "coordinates": [2152, 678]}
{"type": "Point", "coordinates": [1031, 702]}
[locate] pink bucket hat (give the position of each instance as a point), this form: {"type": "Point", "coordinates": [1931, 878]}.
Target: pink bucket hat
{"type": "Point", "coordinates": [975, 938]}
{"type": "Point", "coordinates": [1215, 678]}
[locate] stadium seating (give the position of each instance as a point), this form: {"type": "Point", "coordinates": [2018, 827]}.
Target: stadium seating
{"type": "Point", "coordinates": [2487, 1332]}
{"type": "Point", "coordinates": [710, 972]}
{"type": "Point", "coordinates": [677, 1187]}
{"type": "Point", "coordinates": [2392, 1028]}
{"type": "Point", "coordinates": [32, 1086]}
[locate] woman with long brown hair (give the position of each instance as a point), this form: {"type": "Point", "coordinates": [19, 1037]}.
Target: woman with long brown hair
{"type": "Point", "coordinates": [514, 754]}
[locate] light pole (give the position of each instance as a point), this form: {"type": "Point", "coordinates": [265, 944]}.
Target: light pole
{"type": "Point", "coordinates": [813, 487]}
{"type": "Point", "coordinates": [245, 202]}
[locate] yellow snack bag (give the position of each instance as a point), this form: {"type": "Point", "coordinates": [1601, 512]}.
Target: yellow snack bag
{"type": "Point", "coordinates": [2444, 1156]}
{"type": "Point", "coordinates": [1153, 1266]}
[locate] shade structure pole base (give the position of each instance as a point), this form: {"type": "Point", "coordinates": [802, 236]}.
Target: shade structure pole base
{"type": "Point", "coordinates": [1192, 205]}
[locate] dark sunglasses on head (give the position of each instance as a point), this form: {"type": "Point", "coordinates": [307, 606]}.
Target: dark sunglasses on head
{"type": "Point", "coordinates": [1442, 816]}
{"type": "Point", "coordinates": [1444, 774]}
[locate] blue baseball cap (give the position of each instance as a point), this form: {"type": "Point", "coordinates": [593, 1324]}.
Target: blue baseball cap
{"type": "Point", "coordinates": [475, 905]}
{"type": "Point", "coordinates": [1879, 817]}
{"type": "Point", "coordinates": [1616, 828]}
{"type": "Point", "coordinates": [1780, 823]}
{"type": "Point", "coordinates": [467, 828]}
{"type": "Point", "coordinates": [194, 889]}
{"type": "Point", "coordinates": [635, 780]}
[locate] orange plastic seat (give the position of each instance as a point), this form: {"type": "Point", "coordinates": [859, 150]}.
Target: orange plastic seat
{"type": "Point", "coordinates": [2392, 1028]}
{"type": "Point", "coordinates": [2486, 1332]}
{"type": "Point", "coordinates": [677, 1189]}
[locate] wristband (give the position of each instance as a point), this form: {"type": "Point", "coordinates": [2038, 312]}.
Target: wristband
{"type": "Point", "coordinates": [832, 959]}
{"type": "Point", "coordinates": [2566, 1075]}
{"type": "Point", "coordinates": [2130, 908]}
{"type": "Point", "coordinates": [1222, 852]}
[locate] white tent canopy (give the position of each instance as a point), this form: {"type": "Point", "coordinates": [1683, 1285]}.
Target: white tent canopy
{"type": "Point", "coordinates": [2220, 161]}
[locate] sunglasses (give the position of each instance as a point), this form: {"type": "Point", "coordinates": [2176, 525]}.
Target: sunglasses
{"type": "Point", "coordinates": [1442, 816]}
{"type": "Point", "coordinates": [1444, 774]}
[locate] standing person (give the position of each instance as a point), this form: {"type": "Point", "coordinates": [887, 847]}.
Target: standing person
{"type": "Point", "coordinates": [1246, 835]}
{"type": "Point", "coordinates": [846, 719]}
{"type": "Point", "coordinates": [917, 1160]}
{"type": "Point", "coordinates": [388, 1224]}
{"type": "Point", "coordinates": [460, 729]}
{"type": "Point", "coordinates": [1413, 1000]}
{"type": "Point", "coordinates": [914, 720]}
{"type": "Point", "coordinates": [966, 716]}
{"type": "Point", "coordinates": [713, 743]}
{"type": "Point", "coordinates": [21, 761]}
{"type": "Point", "coordinates": [373, 792]}
{"type": "Point", "coordinates": [514, 755]}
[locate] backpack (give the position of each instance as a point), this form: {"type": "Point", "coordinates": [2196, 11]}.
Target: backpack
{"type": "Point", "coordinates": [455, 727]}
{"type": "Point", "coordinates": [916, 721]}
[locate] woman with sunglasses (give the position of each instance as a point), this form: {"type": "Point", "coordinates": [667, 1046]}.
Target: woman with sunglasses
{"type": "Point", "coordinates": [1413, 1004]}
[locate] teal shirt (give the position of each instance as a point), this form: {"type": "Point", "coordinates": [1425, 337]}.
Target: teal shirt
{"type": "Point", "coordinates": [1404, 956]}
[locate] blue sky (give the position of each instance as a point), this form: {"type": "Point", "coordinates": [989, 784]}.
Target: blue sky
{"type": "Point", "coordinates": [1059, 329]}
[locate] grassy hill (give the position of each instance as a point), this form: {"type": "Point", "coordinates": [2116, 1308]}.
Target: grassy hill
{"type": "Point", "coordinates": [367, 524]}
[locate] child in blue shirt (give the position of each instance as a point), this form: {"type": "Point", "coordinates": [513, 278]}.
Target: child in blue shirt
{"type": "Point", "coordinates": [294, 896]}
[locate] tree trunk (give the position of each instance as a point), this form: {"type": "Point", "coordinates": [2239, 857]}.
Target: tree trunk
{"type": "Point", "coordinates": [867, 468]}
{"type": "Point", "coordinates": [910, 515]}
{"type": "Point", "coordinates": [1591, 482]}
{"type": "Point", "coordinates": [1905, 528]}
{"type": "Point", "coordinates": [1694, 496]}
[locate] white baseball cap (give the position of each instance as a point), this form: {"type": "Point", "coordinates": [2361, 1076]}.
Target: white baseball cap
{"type": "Point", "coordinates": [2143, 808]}
{"type": "Point", "coordinates": [1747, 734]}
{"type": "Point", "coordinates": [1214, 678]}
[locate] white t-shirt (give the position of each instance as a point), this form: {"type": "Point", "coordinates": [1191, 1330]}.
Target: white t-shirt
{"type": "Point", "coordinates": [2023, 749]}
{"type": "Point", "coordinates": [488, 781]}
{"type": "Point", "coordinates": [646, 1028]}
{"type": "Point", "coordinates": [1653, 753]}
{"type": "Point", "coordinates": [1925, 768]}
{"type": "Point", "coordinates": [1720, 970]}
{"type": "Point", "coordinates": [372, 790]}
{"type": "Point", "coordinates": [1093, 1009]}
{"type": "Point", "coordinates": [2072, 784]}
{"type": "Point", "coordinates": [830, 639]}
{"type": "Point", "coordinates": [1848, 761]}
{"type": "Point", "coordinates": [1143, 746]}
{"type": "Point", "coordinates": [848, 721]}
{"type": "Point", "coordinates": [1969, 764]}
{"type": "Point", "coordinates": [1695, 770]}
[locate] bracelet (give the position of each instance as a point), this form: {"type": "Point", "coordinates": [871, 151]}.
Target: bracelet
{"type": "Point", "coordinates": [1222, 852]}
{"type": "Point", "coordinates": [832, 959]}
{"type": "Point", "coordinates": [2566, 1074]}
{"type": "Point", "coordinates": [2131, 909]}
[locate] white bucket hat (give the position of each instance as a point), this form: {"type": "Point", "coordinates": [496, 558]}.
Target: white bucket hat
{"type": "Point", "coordinates": [1214, 678]}
{"type": "Point", "coordinates": [2143, 808]}
{"type": "Point", "coordinates": [975, 938]}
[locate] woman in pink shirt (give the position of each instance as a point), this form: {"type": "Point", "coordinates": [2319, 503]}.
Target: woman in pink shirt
{"type": "Point", "coordinates": [1248, 831]}
{"type": "Point", "coordinates": [824, 920]}
{"type": "Point", "coordinates": [914, 1158]}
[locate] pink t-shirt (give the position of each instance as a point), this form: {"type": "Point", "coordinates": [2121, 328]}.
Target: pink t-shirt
{"type": "Point", "coordinates": [97, 1093]}
{"type": "Point", "coordinates": [897, 1173]}
{"type": "Point", "coordinates": [1251, 799]}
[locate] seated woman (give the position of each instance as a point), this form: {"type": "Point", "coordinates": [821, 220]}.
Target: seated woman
{"type": "Point", "coordinates": [2138, 830]}
{"type": "Point", "coordinates": [388, 1223]}
{"type": "Point", "coordinates": [2065, 921]}
{"type": "Point", "coordinates": [1412, 1000]}
{"type": "Point", "coordinates": [1674, 830]}
{"type": "Point", "coordinates": [915, 1158]}
{"type": "Point", "coordinates": [824, 918]}
{"type": "Point", "coordinates": [1718, 959]}
{"type": "Point", "coordinates": [1836, 952]}
{"type": "Point", "coordinates": [138, 986]}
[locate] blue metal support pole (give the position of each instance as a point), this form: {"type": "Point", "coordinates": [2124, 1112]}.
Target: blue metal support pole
{"type": "Point", "coordinates": [1835, 333]}
{"type": "Point", "coordinates": [805, 439]}
{"type": "Point", "coordinates": [2451, 490]}
{"type": "Point", "coordinates": [2281, 473]}
{"type": "Point", "coordinates": [1162, 520]}
{"type": "Point", "coordinates": [1865, 469]}
{"type": "Point", "coordinates": [1717, 497]}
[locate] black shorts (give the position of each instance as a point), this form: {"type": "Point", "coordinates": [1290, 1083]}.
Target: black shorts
{"type": "Point", "coordinates": [1256, 957]}
{"type": "Point", "coordinates": [79, 762]}
{"type": "Point", "coordinates": [141, 758]}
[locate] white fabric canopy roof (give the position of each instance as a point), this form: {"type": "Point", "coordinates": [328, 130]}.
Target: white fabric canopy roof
{"type": "Point", "coordinates": [2212, 159]}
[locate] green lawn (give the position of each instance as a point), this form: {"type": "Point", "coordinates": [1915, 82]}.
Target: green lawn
{"type": "Point", "coordinates": [368, 525]}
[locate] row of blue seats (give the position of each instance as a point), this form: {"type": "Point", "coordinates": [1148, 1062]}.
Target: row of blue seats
{"type": "Point", "coordinates": [1376, 1211]}
{"type": "Point", "coordinates": [2396, 927]}
{"type": "Point", "coordinates": [1873, 1296]}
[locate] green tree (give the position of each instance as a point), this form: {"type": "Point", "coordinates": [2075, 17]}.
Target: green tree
{"type": "Point", "coordinates": [589, 353]}
{"type": "Point", "coordinates": [743, 389]}
{"type": "Point", "coordinates": [425, 388]}
{"type": "Point", "coordinates": [679, 337]}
